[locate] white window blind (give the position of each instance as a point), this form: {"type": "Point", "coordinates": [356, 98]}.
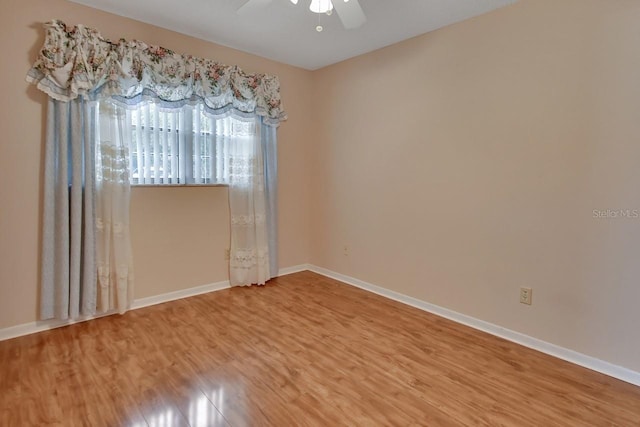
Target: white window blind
{"type": "Point", "coordinates": [181, 146]}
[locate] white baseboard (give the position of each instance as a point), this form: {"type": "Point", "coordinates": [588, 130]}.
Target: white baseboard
{"type": "Point", "coordinates": [294, 269]}
{"type": "Point", "coordinates": [183, 293]}
{"type": "Point", "coordinates": [45, 325]}
{"type": "Point", "coordinates": [42, 325]}
{"type": "Point", "coordinates": [583, 360]}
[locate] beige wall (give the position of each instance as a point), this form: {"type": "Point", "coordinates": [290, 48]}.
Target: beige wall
{"type": "Point", "coordinates": [463, 164]}
{"type": "Point", "coordinates": [179, 234]}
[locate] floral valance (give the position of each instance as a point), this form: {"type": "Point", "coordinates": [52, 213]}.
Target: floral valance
{"type": "Point", "coordinates": [78, 61]}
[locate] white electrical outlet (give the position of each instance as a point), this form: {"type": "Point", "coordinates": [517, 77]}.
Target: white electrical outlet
{"type": "Point", "coordinates": [227, 254]}
{"type": "Point", "coordinates": [345, 250]}
{"type": "Point", "coordinates": [525, 296]}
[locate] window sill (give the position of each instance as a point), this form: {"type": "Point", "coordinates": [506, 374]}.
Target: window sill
{"type": "Point", "coordinates": [178, 185]}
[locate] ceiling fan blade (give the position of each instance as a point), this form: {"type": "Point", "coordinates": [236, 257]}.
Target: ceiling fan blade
{"type": "Point", "coordinates": [350, 13]}
{"type": "Point", "coordinates": [248, 6]}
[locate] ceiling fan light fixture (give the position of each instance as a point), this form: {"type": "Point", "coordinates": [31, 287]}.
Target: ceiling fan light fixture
{"type": "Point", "coordinates": [351, 15]}
{"type": "Point", "coordinates": [320, 6]}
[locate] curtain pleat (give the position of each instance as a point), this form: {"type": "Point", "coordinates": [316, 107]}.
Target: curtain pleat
{"type": "Point", "coordinates": [270, 153]}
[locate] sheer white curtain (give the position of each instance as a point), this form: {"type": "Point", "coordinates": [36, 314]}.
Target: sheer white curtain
{"type": "Point", "coordinates": [113, 245]}
{"type": "Point", "coordinates": [249, 252]}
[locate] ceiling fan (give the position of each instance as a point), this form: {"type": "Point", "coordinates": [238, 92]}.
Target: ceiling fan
{"type": "Point", "coordinates": [349, 11]}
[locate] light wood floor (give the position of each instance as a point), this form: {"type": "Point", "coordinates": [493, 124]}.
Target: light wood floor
{"type": "Point", "coordinates": [304, 350]}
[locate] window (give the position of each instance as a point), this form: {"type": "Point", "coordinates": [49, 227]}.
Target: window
{"type": "Point", "coordinates": [181, 146]}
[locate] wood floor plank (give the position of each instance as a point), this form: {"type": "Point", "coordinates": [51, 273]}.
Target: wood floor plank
{"type": "Point", "coordinates": [304, 350]}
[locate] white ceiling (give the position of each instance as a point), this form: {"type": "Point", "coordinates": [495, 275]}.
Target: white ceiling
{"type": "Point", "coordinates": [286, 33]}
